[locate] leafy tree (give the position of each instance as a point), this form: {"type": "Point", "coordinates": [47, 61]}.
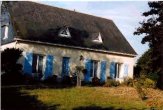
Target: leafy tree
{"type": "Point", "coordinates": [13, 70]}
{"type": "Point", "coordinates": [152, 29]}
{"type": "Point", "coordinates": [144, 63]}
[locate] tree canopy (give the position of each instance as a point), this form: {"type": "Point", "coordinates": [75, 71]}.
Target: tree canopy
{"type": "Point", "coordinates": [152, 29]}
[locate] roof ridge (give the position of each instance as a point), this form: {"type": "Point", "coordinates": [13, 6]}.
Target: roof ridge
{"type": "Point", "coordinates": [70, 10]}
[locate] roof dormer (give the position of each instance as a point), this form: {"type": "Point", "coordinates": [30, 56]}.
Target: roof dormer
{"type": "Point", "coordinates": [64, 32]}
{"type": "Point", "coordinates": [98, 39]}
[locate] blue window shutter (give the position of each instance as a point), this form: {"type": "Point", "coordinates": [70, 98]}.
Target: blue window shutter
{"type": "Point", "coordinates": [49, 66]}
{"type": "Point", "coordinates": [27, 68]}
{"type": "Point", "coordinates": [112, 70]}
{"type": "Point", "coordinates": [65, 66]}
{"type": "Point", "coordinates": [103, 72]}
{"type": "Point", "coordinates": [88, 66]}
{"type": "Point", "coordinates": [125, 70]}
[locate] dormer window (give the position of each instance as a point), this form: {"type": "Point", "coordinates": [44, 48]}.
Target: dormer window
{"type": "Point", "coordinates": [64, 32]}
{"type": "Point", "coordinates": [98, 39]}
{"type": "Point", "coordinates": [5, 32]}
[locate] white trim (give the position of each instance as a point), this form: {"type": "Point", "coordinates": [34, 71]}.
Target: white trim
{"type": "Point", "coordinates": [75, 47]}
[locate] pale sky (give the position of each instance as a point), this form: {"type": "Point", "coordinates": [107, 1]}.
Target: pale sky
{"type": "Point", "coordinates": [125, 14]}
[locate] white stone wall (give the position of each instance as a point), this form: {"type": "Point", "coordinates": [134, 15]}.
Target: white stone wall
{"type": "Point", "coordinates": [74, 54]}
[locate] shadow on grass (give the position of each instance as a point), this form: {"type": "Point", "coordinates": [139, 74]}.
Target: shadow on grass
{"type": "Point", "coordinates": [101, 108]}
{"type": "Point", "coordinates": [13, 99]}
{"type": "Point", "coordinates": [95, 108]}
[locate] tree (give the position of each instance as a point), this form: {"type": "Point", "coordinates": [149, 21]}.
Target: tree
{"type": "Point", "coordinates": [145, 63]}
{"type": "Point", "coordinates": [12, 70]}
{"type": "Point", "coordinates": [152, 29]}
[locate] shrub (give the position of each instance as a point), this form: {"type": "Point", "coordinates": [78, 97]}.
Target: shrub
{"type": "Point", "coordinates": [28, 79]}
{"type": "Point", "coordinates": [66, 80]}
{"type": "Point", "coordinates": [128, 82]}
{"type": "Point", "coordinates": [144, 81]}
{"type": "Point", "coordinates": [51, 80]}
{"type": "Point", "coordinates": [140, 91]}
{"type": "Point", "coordinates": [153, 76]}
{"type": "Point", "coordinates": [95, 81]}
{"type": "Point", "coordinates": [111, 83]}
{"type": "Point", "coordinates": [149, 83]}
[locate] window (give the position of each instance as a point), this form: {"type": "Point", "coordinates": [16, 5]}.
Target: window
{"type": "Point", "coordinates": [64, 32]}
{"type": "Point", "coordinates": [4, 31]}
{"type": "Point", "coordinates": [37, 65]}
{"type": "Point", "coordinates": [115, 69]}
{"type": "Point", "coordinates": [94, 68]}
{"type": "Point", "coordinates": [98, 39]}
{"type": "Point", "coordinates": [118, 65]}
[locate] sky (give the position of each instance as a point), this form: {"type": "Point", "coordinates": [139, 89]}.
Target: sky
{"type": "Point", "coordinates": [125, 14]}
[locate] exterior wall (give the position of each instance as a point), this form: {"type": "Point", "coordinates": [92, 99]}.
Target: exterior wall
{"type": "Point", "coordinates": [74, 54]}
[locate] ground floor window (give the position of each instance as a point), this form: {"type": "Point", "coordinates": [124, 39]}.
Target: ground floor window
{"type": "Point", "coordinates": [118, 68]}
{"type": "Point", "coordinates": [37, 65]}
{"type": "Point", "coordinates": [115, 69]}
{"type": "Point", "coordinates": [94, 68]}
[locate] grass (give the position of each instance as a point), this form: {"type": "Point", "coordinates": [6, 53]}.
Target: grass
{"type": "Point", "coordinates": [69, 98]}
{"type": "Point", "coordinates": [81, 98]}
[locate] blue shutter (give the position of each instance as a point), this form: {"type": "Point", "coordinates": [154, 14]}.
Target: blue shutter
{"type": "Point", "coordinates": [112, 70]}
{"type": "Point", "coordinates": [88, 66]}
{"type": "Point", "coordinates": [65, 66]}
{"type": "Point", "coordinates": [28, 63]}
{"type": "Point", "coordinates": [49, 66]}
{"type": "Point", "coordinates": [125, 70]}
{"type": "Point", "coordinates": [103, 72]}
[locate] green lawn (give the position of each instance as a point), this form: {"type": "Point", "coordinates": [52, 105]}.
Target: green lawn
{"type": "Point", "coordinates": [97, 98]}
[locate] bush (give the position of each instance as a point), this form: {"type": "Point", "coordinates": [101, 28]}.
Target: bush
{"type": "Point", "coordinates": [144, 81]}
{"type": "Point", "coordinates": [66, 80]}
{"type": "Point", "coordinates": [12, 78]}
{"type": "Point", "coordinates": [153, 76]}
{"type": "Point", "coordinates": [111, 83]}
{"type": "Point", "coordinates": [95, 81]}
{"type": "Point", "coordinates": [148, 83]}
{"type": "Point", "coordinates": [128, 82]}
{"type": "Point", "coordinates": [28, 79]}
{"type": "Point", "coordinates": [140, 91]}
{"type": "Point", "coordinates": [51, 80]}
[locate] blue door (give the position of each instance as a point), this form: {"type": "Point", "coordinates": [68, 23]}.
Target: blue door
{"type": "Point", "coordinates": [65, 66]}
{"type": "Point", "coordinates": [27, 68]}
{"type": "Point", "coordinates": [88, 66]}
{"type": "Point", "coordinates": [112, 70]}
{"type": "Point", "coordinates": [103, 72]}
{"type": "Point", "coordinates": [49, 66]}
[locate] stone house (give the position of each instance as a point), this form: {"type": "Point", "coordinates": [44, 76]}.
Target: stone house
{"type": "Point", "coordinates": [54, 40]}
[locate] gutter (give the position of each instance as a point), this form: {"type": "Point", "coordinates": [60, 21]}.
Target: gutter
{"type": "Point", "coordinates": [73, 47]}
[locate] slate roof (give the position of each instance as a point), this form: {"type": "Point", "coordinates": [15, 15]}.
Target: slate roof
{"type": "Point", "coordinates": [38, 22]}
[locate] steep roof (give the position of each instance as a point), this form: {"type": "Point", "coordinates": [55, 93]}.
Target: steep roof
{"type": "Point", "coordinates": [38, 22]}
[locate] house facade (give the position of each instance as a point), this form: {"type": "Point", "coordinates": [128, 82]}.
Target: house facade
{"type": "Point", "coordinates": [54, 41]}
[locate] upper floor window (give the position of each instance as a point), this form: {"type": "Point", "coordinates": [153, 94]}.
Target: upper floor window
{"type": "Point", "coordinates": [98, 39]}
{"type": "Point", "coordinates": [5, 22]}
{"type": "Point", "coordinates": [5, 32]}
{"type": "Point", "coordinates": [64, 32]}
